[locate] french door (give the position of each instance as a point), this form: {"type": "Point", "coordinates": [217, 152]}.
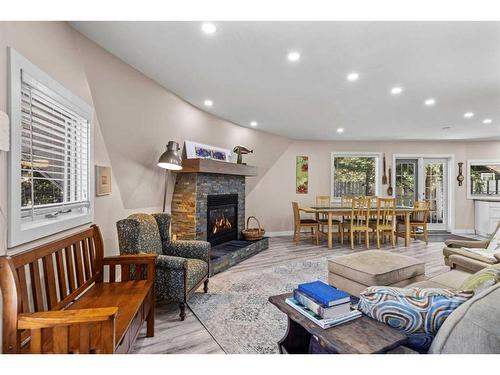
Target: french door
{"type": "Point", "coordinates": [424, 179]}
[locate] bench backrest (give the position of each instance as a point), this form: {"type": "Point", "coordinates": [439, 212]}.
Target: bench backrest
{"type": "Point", "coordinates": [48, 277]}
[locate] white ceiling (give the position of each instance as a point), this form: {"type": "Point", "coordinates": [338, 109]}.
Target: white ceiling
{"type": "Point", "coordinates": [243, 68]}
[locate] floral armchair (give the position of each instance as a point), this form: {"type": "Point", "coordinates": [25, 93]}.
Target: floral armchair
{"type": "Point", "coordinates": [182, 265]}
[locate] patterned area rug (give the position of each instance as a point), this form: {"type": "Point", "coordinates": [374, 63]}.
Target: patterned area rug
{"type": "Point", "coordinates": [236, 311]}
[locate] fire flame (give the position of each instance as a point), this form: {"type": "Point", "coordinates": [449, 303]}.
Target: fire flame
{"type": "Point", "coordinates": [221, 223]}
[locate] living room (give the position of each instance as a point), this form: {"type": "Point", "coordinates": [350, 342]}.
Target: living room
{"type": "Point", "coordinates": [185, 183]}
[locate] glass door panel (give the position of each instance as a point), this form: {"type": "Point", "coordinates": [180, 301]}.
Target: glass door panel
{"type": "Point", "coordinates": [436, 191]}
{"type": "Point", "coordinates": [406, 181]}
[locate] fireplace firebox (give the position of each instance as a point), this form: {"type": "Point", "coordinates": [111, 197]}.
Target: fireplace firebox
{"type": "Point", "coordinates": [222, 218]}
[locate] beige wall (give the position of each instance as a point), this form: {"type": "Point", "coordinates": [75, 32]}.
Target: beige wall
{"type": "Point", "coordinates": [270, 199]}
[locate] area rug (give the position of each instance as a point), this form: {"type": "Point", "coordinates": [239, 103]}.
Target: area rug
{"type": "Point", "coordinates": [236, 310]}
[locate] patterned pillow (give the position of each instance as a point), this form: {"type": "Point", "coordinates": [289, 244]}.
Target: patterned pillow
{"type": "Point", "coordinates": [483, 279]}
{"type": "Point", "coordinates": [417, 312]}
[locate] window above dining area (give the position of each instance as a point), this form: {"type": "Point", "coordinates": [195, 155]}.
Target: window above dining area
{"type": "Point", "coordinates": [355, 174]}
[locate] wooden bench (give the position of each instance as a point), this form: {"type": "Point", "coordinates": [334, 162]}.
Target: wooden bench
{"type": "Point", "coordinates": [65, 297]}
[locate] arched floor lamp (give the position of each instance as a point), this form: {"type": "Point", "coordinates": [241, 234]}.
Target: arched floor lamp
{"type": "Point", "coordinates": [170, 160]}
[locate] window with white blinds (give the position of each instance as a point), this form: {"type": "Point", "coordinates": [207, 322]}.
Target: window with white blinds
{"type": "Point", "coordinates": [51, 155]}
{"type": "Point", "coordinates": [54, 155]}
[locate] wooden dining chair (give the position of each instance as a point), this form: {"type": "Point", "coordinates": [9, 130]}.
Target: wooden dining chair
{"type": "Point", "coordinates": [359, 221]}
{"type": "Point", "coordinates": [345, 201]}
{"type": "Point", "coordinates": [324, 201]}
{"type": "Point", "coordinates": [303, 223]}
{"type": "Point", "coordinates": [418, 220]}
{"type": "Point", "coordinates": [385, 216]}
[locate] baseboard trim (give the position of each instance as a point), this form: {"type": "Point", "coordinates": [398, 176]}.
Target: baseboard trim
{"type": "Point", "coordinates": [463, 231]}
{"type": "Point", "coordinates": [280, 234]}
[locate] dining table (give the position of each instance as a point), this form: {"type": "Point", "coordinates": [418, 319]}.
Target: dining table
{"type": "Point", "coordinates": [339, 211]}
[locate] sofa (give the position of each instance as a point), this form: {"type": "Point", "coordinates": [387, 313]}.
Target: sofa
{"type": "Point", "coordinates": [469, 261]}
{"type": "Point", "coordinates": [181, 267]}
{"type": "Point", "coordinates": [474, 327]}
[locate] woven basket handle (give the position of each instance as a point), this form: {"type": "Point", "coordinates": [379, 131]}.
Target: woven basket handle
{"type": "Point", "coordinates": [258, 223]}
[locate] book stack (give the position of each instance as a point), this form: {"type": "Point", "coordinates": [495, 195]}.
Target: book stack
{"type": "Point", "coordinates": [324, 304]}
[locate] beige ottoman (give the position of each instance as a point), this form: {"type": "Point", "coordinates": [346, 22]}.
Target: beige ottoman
{"type": "Point", "coordinates": [355, 272]}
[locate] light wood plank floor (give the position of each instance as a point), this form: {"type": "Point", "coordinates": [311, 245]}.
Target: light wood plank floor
{"type": "Point", "coordinates": [175, 337]}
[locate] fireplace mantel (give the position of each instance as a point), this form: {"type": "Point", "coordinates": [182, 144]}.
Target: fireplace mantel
{"type": "Point", "coordinates": [218, 167]}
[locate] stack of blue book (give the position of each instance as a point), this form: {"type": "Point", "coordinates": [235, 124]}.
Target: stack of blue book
{"type": "Point", "coordinates": [324, 304]}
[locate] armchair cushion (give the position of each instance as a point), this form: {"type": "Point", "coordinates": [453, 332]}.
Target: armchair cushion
{"type": "Point", "coordinates": [419, 313]}
{"type": "Point", "coordinates": [469, 253]}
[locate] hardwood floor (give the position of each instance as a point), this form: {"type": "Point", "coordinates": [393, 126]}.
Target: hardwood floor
{"type": "Point", "coordinates": [175, 337]}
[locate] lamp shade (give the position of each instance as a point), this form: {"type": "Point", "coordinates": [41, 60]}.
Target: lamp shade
{"type": "Point", "coordinates": [171, 159]}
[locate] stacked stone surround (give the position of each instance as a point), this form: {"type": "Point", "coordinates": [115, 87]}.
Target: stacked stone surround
{"type": "Point", "coordinates": [189, 202]}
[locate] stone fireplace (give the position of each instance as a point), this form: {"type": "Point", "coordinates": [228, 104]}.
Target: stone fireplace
{"type": "Point", "coordinates": [198, 193]}
{"type": "Point", "coordinates": [209, 204]}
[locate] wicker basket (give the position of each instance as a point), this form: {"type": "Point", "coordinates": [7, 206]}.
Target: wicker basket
{"type": "Point", "coordinates": [253, 234]}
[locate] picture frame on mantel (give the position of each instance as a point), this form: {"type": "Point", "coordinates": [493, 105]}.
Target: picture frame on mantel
{"type": "Point", "coordinates": [102, 180]}
{"type": "Point", "coordinates": [195, 150]}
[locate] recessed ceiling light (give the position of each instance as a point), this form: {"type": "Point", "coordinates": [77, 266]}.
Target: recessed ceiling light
{"type": "Point", "coordinates": [430, 102]}
{"type": "Point", "coordinates": [487, 121]}
{"type": "Point", "coordinates": [208, 103]}
{"type": "Point", "coordinates": [293, 56]}
{"type": "Point", "coordinates": [353, 76]}
{"type": "Point", "coordinates": [468, 114]}
{"type": "Point", "coordinates": [340, 130]}
{"type": "Point", "coordinates": [396, 90]}
{"type": "Point", "coordinates": [208, 27]}
{"type": "Point", "coordinates": [254, 124]}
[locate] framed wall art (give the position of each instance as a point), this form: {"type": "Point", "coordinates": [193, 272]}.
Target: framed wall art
{"type": "Point", "coordinates": [102, 180]}
{"type": "Point", "coordinates": [196, 150]}
{"type": "Point", "coordinates": [302, 174]}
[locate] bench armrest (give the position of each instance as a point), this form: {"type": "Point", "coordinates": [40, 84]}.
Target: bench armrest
{"type": "Point", "coordinates": [48, 319]}
{"type": "Point", "coordinates": [128, 262]}
{"type": "Point", "coordinates": [142, 258]}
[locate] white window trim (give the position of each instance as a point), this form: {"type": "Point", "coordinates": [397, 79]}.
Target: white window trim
{"type": "Point", "coordinates": [378, 168]}
{"type": "Point", "coordinates": [468, 185]}
{"type": "Point", "coordinates": [18, 235]}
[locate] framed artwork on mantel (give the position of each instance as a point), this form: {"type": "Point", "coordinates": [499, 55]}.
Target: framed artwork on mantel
{"type": "Point", "coordinates": [302, 174]}
{"type": "Point", "coordinates": [196, 150]}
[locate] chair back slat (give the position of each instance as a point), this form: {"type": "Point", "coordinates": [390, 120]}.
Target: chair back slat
{"type": "Point", "coordinates": [50, 281]}
{"type": "Point", "coordinates": [61, 274]}
{"type": "Point", "coordinates": [360, 212]}
{"type": "Point", "coordinates": [296, 213]}
{"type": "Point", "coordinates": [386, 211]}
{"type": "Point", "coordinates": [346, 200]}
{"type": "Point", "coordinates": [23, 285]}
{"type": "Point", "coordinates": [70, 268]}
{"type": "Point", "coordinates": [420, 212]}
{"type": "Point", "coordinates": [86, 257]}
{"type": "Point", "coordinates": [36, 285]}
{"type": "Point", "coordinates": [77, 251]}
{"type": "Point", "coordinates": [323, 200]}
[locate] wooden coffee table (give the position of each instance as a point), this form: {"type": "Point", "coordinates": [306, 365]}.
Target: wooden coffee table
{"type": "Point", "coordinates": [359, 336]}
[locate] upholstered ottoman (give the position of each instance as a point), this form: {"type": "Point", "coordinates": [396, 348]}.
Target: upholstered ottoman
{"type": "Point", "coordinates": [355, 272]}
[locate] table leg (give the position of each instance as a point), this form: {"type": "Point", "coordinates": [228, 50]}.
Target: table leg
{"type": "Point", "coordinates": [296, 340]}
{"type": "Point", "coordinates": [407, 229]}
{"type": "Point", "coordinates": [330, 230]}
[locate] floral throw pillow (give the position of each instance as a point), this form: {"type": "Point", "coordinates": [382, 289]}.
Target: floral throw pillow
{"type": "Point", "coordinates": [418, 312]}
{"type": "Point", "coordinates": [482, 279]}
